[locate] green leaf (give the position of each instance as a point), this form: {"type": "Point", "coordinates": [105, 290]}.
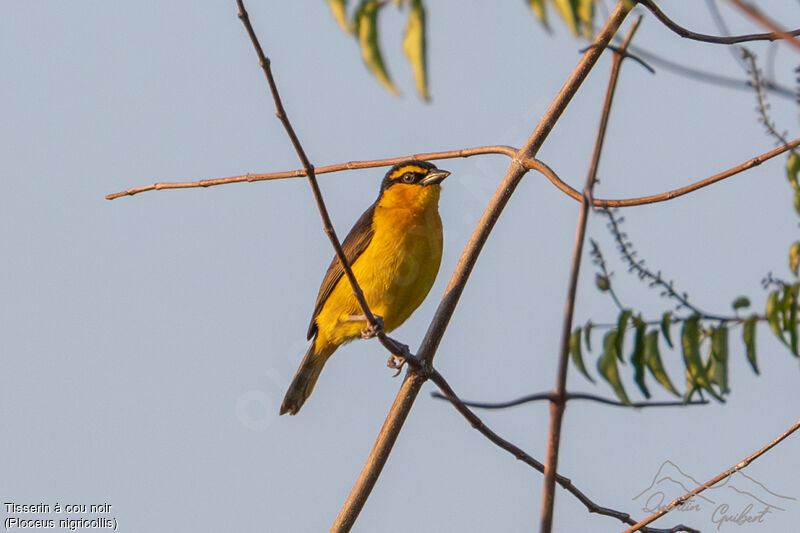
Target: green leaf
{"type": "Point", "coordinates": [587, 332]}
{"type": "Point", "coordinates": [366, 27]}
{"type": "Point", "coordinates": [622, 327]}
{"type": "Point", "coordinates": [654, 364]}
{"type": "Point", "coordinates": [773, 314]}
{"type": "Point", "coordinates": [742, 302]}
{"type": "Point", "coordinates": [690, 341]}
{"type": "Point", "coordinates": [638, 356]}
{"type": "Point", "coordinates": [666, 322]}
{"type": "Point", "coordinates": [792, 169]}
{"type": "Point", "coordinates": [414, 47]}
{"type": "Point", "coordinates": [794, 257]}
{"type": "Point", "coordinates": [797, 202]}
{"type": "Point", "coordinates": [576, 354]}
{"type": "Point", "coordinates": [790, 303]}
{"type": "Point", "coordinates": [607, 366]}
{"type": "Point", "coordinates": [339, 11]}
{"type": "Point", "coordinates": [585, 11]}
{"type": "Point", "coordinates": [539, 9]}
{"type": "Point", "coordinates": [602, 282]}
{"type": "Point", "coordinates": [718, 362]}
{"type": "Point", "coordinates": [568, 12]}
{"type": "Point", "coordinates": [749, 337]}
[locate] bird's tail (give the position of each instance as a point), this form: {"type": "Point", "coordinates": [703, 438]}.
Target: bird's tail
{"type": "Point", "coordinates": [305, 378]}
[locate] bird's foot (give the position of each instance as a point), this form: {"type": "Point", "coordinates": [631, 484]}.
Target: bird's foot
{"type": "Point", "coordinates": [399, 357]}
{"type": "Point", "coordinates": [396, 362]}
{"type": "Point", "coordinates": [373, 331]}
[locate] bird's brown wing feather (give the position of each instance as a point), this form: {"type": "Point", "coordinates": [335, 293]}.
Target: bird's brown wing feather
{"type": "Point", "coordinates": [354, 244]}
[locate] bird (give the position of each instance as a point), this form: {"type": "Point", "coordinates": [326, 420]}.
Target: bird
{"type": "Point", "coordinates": [394, 250]}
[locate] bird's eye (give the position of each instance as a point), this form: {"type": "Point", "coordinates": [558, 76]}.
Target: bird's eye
{"type": "Point", "coordinates": [409, 177]}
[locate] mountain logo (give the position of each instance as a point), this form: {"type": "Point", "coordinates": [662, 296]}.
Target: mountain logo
{"type": "Point", "coordinates": [737, 500]}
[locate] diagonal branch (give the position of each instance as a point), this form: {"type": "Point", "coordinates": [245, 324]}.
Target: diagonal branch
{"type": "Point", "coordinates": [683, 32]}
{"type": "Point", "coordinates": [308, 169]}
{"type": "Point", "coordinates": [558, 402]}
{"type": "Point", "coordinates": [679, 501]}
{"type": "Point", "coordinates": [566, 483]}
{"type": "Point", "coordinates": [755, 14]}
{"type": "Point", "coordinates": [413, 382]}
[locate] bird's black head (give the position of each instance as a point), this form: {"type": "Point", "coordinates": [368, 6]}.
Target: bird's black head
{"type": "Point", "coordinates": [413, 172]}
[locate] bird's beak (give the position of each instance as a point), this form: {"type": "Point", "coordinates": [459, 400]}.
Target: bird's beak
{"type": "Point", "coordinates": [435, 176]}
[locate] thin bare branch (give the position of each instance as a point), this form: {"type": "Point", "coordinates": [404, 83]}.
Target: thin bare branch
{"type": "Point", "coordinates": [411, 385]}
{"type": "Point", "coordinates": [755, 14]}
{"type": "Point", "coordinates": [713, 481]}
{"type": "Point", "coordinates": [683, 32]}
{"type": "Point", "coordinates": [559, 400]}
{"type": "Point", "coordinates": [548, 396]}
{"type": "Point", "coordinates": [566, 483]}
{"type": "Point", "coordinates": [352, 165]}
{"type": "Point", "coordinates": [308, 169]}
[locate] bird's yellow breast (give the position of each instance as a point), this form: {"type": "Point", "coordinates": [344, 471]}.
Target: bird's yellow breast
{"type": "Point", "coordinates": [396, 270]}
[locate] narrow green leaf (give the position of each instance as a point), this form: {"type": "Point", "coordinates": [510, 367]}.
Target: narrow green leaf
{"type": "Point", "coordinates": [797, 202]}
{"type": "Point", "coordinates": [607, 366]}
{"type": "Point", "coordinates": [718, 371]}
{"type": "Point", "coordinates": [415, 48]}
{"type": "Point", "coordinates": [666, 322]}
{"type": "Point", "coordinates": [742, 302]}
{"type": "Point", "coordinates": [690, 342]}
{"type": "Point", "coordinates": [566, 8]}
{"type": "Point", "coordinates": [749, 337]}
{"type": "Point", "coordinates": [622, 328]}
{"type": "Point", "coordinates": [794, 257]}
{"type": "Point", "coordinates": [585, 12]}
{"type": "Point", "coordinates": [339, 12]}
{"type": "Point", "coordinates": [366, 27]}
{"type": "Point", "coordinates": [654, 364]}
{"type": "Point", "coordinates": [773, 314]}
{"type": "Point", "coordinates": [792, 169]}
{"type": "Point", "coordinates": [576, 353]}
{"type": "Point", "coordinates": [638, 356]}
{"type": "Point", "coordinates": [587, 332]}
{"type": "Point", "coordinates": [539, 9]}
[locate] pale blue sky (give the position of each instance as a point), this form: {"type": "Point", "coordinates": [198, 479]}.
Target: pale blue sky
{"type": "Point", "coordinates": [147, 342]}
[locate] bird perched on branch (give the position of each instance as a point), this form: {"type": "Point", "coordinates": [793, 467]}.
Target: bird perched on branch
{"type": "Point", "coordinates": [394, 249]}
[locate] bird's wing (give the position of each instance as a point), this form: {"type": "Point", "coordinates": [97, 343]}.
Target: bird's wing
{"type": "Point", "coordinates": [354, 244]}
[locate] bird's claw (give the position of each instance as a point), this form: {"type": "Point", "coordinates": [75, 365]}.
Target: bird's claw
{"type": "Point", "coordinates": [373, 331]}
{"type": "Point", "coordinates": [396, 362]}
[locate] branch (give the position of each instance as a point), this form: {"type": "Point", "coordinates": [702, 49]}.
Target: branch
{"type": "Point", "coordinates": [451, 154]}
{"type": "Point", "coordinates": [767, 22]}
{"type": "Point", "coordinates": [541, 396]}
{"type": "Point", "coordinates": [734, 39]}
{"type": "Point", "coordinates": [413, 382]}
{"type": "Point", "coordinates": [559, 400]}
{"type": "Point", "coordinates": [566, 483]}
{"type": "Point", "coordinates": [713, 481]}
{"type": "Point", "coordinates": [374, 325]}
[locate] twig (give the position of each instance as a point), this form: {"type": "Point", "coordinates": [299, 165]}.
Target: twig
{"type": "Point", "coordinates": [683, 32]}
{"type": "Point", "coordinates": [390, 344]}
{"type": "Point", "coordinates": [450, 154]}
{"type": "Point", "coordinates": [558, 402]}
{"type": "Point", "coordinates": [542, 396]}
{"type": "Point", "coordinates": [599, 260]}
{"type": "Point", "coordinates": [411, 385]}
{"type": "Point", "coordinates": [767, 22]}
{"type": "Point", "coordinates": [741, 465]}
{"type": "Point", "coordinates": [566, 483]}
{"type": "Point", "coordinates": [529, 163]}
{"type": "Point", "coordinates": [762, 106]}
{"type": "Point", "coordinates": [637, 266]}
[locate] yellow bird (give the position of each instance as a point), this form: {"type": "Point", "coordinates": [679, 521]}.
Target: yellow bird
{"type": "Point", "coordinates": [395, 250]}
